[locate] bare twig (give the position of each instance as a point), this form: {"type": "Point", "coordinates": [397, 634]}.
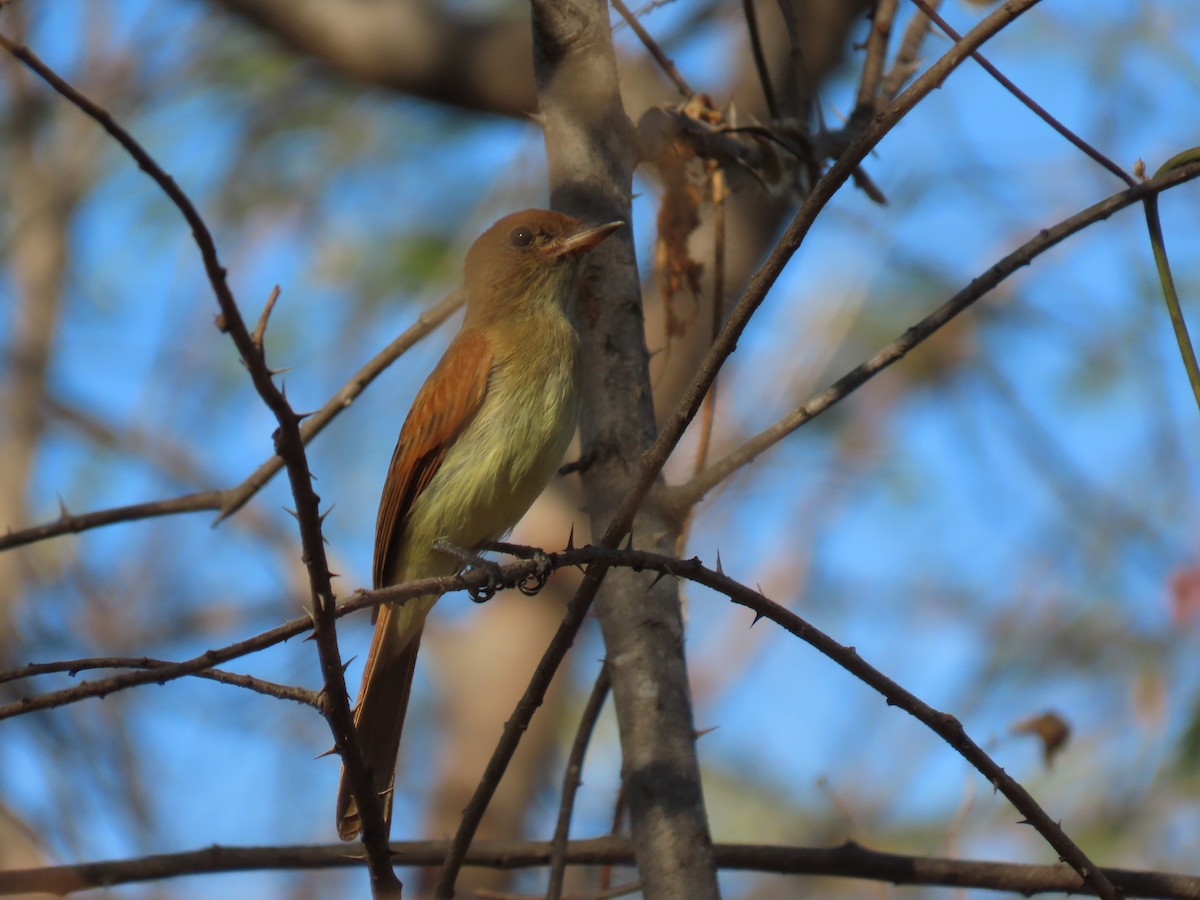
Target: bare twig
{"type": "Point", "coordinates": [260, 330]}
{"type": "Point", "coordinates": [1158, 245]}
{"type": "Point", "coordinates": [572, 778]}
{"type": "Point", "coordinates": [717, 194]}
{"type": "Point", "coordinates": [510, 576]}
{"type": "Point", "coordinates": [651, 45]}
{"type": "Point", "coordinates": [760, 58]}
{"type": "Point", "coordinates": [1028, 101]}
{"type": "Point", "coordinates": [904, 63]}
{"type": "Point", "coordinates": [75, 666]}
{"type": "Point", "coordinates": [683, 496]}
{"type": "Point", "coordinates": [868, 100]}
{"type": "Point", "coordinates": [849, 861]}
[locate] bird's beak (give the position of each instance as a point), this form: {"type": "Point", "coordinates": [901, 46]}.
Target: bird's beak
{"type": "Point", "coordinates": [583, 240]}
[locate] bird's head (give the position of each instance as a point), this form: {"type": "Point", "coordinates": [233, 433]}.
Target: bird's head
{"type": "Point", "coordinates": [527, 262]}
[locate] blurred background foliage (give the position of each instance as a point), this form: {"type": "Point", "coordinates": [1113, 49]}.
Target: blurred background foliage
{"type": "Point", "coordinates": [1004, 522]}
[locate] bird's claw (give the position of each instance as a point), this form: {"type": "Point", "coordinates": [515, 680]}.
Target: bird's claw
{"type": "Point", "coordinates": [536, 580]}
{"type": "Point", "coordinates": [482, 593]}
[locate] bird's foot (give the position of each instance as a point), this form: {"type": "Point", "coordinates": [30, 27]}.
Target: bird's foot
{"type": "Point", "coordinates": [495, 575]}
{"type": "Point", "coordinates": [536, 580]}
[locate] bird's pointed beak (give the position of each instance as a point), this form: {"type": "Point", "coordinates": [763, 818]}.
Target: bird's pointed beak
{"type": "Point", "coordinates": [583, 240]}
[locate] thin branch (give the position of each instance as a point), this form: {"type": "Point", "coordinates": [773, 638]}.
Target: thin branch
{"type": "Point", "coordinates": [1028, 101]}
{"type": "Point", "coordinates": [258, 685]}
{"type": "Point", "coordinates": [510, 576]}
{"type": "Point", "coordinates": [943, 724]}
{"type": "Point", "coordinates": [847, 861]}
{"type": "Point", "coordinates": [651, 45]}
{"type": "Point", "coordinates": [290, 447]}
{"type": "Point", "coordinates": [868, 100]}
{"type": "Point", "coordinates": [717, 194]}
{"type": "Point", "coordinates": [681, 497]}
{"type": "Point", "coordinates": [230, 500]}
{"type": "Point", "coordinates": [572, 779]}
{"type": "Point", "coordinates": [1162, 265]}
{"type": "Point", "coordinates": [260, 330]}
{"type": "Point", "coordinates": [760, 59]}
{"type": "Point", "coordinates": [904, 63]}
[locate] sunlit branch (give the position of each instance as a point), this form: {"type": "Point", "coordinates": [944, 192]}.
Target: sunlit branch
{"type": "Point", "coordinates": [683, 496]}
{"type": "Point", "coordinates": [1036, 108]}
{"type": "Point", "coordinates": [849, 861]}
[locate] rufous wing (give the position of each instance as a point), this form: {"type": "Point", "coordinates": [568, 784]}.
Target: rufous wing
{"type": "Point", "coordinates": [443, 407]}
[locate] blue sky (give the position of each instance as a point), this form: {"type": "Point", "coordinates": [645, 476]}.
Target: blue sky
{"type": "Point", "coordinates": [927, 542]}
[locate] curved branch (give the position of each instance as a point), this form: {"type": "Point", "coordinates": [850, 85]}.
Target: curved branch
{"type": "Point", "coordinates": [848, 861]}
{"type": "Point", "coordinates": [598, 560]}
{"type": "Point", "coordinates": [250, 682]}
{"type": "Point", "coordinates": [230, 500]}
{"type": "Point", "coordinates": [682, 497]}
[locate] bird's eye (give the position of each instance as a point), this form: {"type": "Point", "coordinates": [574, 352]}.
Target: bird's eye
{"type": "Point", "coordinates": [520, 237]}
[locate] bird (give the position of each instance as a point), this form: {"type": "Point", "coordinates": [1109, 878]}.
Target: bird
{"type": "Point", "coordinates": [484, 436]}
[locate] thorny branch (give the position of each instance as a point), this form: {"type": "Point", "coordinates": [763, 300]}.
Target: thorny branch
{"type": "Point", "coordinates": [850, 860]}
{"type": "Point", "coordinates": [289, 445]}
{"type": "Point", "coordinates": [682, 497]}
{"type": "Point", "coordinates": [593, 558]}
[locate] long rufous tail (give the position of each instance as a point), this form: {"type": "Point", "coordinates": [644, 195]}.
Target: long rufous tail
{"type": "Point", "coordinates": [379, 714]}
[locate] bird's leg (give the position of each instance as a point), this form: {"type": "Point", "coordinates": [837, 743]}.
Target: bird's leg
{"type": "Point", "coordinates": [495, 575]}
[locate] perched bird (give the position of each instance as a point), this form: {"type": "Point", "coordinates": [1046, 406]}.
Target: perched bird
{"type": "Point", "coordinates": [485, 434]}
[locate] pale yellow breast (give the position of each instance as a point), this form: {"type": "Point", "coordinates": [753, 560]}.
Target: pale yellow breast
{"type": "Point", "coordinates": [505, 457]}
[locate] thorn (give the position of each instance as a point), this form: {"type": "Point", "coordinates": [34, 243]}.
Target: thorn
{"type": "Point", "coordinates": [571, 539]}
{"type": "Point", "coordinates": [703, 731]}
{"type": "Point", "coordinates": [333, 574]}
{"type": "Point", "coordinates": [757, 616]}
{"type": "Point", "coordinates": [346, 664]}
{"type": "Point", "coordinates": [720, 570]}
{"type": "Point", "coordinates": [659, 577]}
{"type": "Point", "coordinates": [291, 512]}
{"type": "Point", "coordinates": [63, 512]}
{"type": "Point", "coordinates": [629, 542]}
{"type": "Point", "coordinates": [323, 516]}
{"type": "Point", "coordinates": [330, 752]}
{"type": "Point", "coordinates": [300, 417]}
